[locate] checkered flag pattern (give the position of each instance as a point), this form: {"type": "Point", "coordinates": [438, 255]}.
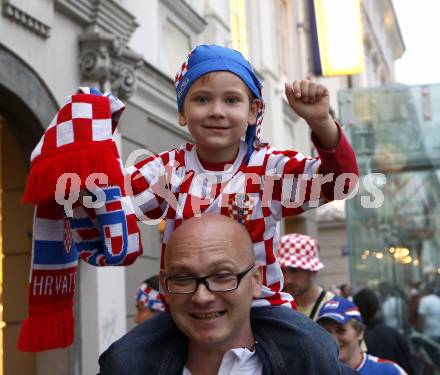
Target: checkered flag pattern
{"type": "Point", "coordinates": [83, 118]}
{"type": "Point", "coordinates": [183, 69]}
{"type": "Point", "coordinates": [241, 207]}
{"type": "Point", "coordinates": [149, 297]}
{"type": "Point", "coordinates": [78, 141]}
{"type": "Point", "coordinates": [299, 251]}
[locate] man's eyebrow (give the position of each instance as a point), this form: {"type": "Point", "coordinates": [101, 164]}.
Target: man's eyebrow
{"type": "Point", "coordinates": [186, 269]}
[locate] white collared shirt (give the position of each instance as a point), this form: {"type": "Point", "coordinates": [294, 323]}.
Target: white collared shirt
{"type": "Point", "coordinates": [240, 361]}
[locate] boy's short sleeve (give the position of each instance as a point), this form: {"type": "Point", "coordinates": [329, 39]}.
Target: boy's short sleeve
{"type": "Point", "coordinates": [148, 186]}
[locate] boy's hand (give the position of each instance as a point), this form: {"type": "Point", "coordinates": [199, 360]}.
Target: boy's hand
{"type": "Point", "coordinates": [311, 102]}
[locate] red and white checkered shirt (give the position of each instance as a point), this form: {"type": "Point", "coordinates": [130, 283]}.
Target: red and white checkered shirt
{"type": "Point", "coordinates": [247, 192]}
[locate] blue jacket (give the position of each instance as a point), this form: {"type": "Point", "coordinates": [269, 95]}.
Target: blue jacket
{"type": "Point", "coordinates": [287, 343]}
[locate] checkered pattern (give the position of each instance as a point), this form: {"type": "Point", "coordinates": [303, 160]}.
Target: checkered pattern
{"type": "Point", "coordinates": [241, 207]}
{"type": "Point", "coordinates": [183, 69]}
{"type": "Point", "coordinates": [192, 194]}
{"type": "Point", "coordinates": [84, 118]}
{"type": "Point", "coordinates": [299, 251]}
{"type": "Point", "coordinates": [78, 140]}
{"type": "Point", "coordinates": [114, 239]}
{"type": "Point", "coordinates": [149, 297]}
{"type": "Point", "coordinates": [107, 235]}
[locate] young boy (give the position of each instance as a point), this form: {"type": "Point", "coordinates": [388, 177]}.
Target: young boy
{"type": "Point", "coordinates": [342, 319]}
{"type": "Point", "coordinates": [219, 98]}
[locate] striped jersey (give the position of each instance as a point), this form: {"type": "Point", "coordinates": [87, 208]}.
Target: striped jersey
{"type": "Point", "coordinates": [372, 365]}
{"type": "Point", "coordinates": [274, 184]}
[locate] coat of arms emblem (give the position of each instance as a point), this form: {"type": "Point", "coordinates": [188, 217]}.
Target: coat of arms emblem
{"type": "Point", "coordinates": [240, 207]}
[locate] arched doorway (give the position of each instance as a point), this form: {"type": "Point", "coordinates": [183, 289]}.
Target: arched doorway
{"type": "Point", "coordinates": [25, 105]}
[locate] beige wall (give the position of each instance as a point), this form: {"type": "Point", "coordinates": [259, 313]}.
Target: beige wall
{"type": "Point", "coordinates": [331, 238]}
{"type": "Point", "coordinates": [16, 246]}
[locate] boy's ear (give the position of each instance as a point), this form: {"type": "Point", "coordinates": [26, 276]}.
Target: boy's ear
{"type": "Point", "coordinates": [253, 110]}
{"type": "Point", "coordinates": [182, 119]}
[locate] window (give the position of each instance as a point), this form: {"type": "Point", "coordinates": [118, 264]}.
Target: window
{"type": "Point", "coordinates": [177, 45]}
{"type": "Point", "coordinates": [239, 33]}
{"type": "Point", "coordinates": [284, 34]}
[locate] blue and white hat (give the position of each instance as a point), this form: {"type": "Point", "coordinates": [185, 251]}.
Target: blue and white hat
{"type": "Point", "coordinates": [340, 310]}
{"type": "Point", "coordinates": [149, 297]}
{"type": "Point", "coordinates": [211, 58]}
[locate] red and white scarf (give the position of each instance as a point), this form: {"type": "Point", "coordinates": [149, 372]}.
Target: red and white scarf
{"type": "Point", "coordinates": [78, 141]}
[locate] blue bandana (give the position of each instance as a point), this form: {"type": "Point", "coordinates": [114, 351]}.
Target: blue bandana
{"type": "Point", "coordinates": [212, 58]}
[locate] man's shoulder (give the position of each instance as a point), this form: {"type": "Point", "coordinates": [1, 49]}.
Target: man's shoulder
{"type": "Point", "coordinates": [144, 348]}
{"type": "Point", "coordinates": [310, 334]}
{"type": "Point", "coordinates": [281, 331]}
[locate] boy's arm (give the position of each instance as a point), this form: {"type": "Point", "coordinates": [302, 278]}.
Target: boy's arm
{"type": "Point", "coordinates": [309, 182]}
{"type": "Point", "coordinates": [311, 102]}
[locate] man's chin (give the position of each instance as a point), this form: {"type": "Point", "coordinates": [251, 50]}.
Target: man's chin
{"type": "Point", "coordinates": [207, 339]}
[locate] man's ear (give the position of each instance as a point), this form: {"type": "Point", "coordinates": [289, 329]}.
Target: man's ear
{"type": "Point", "coordinates": [162, 280]}
{"type": "Point", "coordinates": [253, 110]}
{"type": "Point", "coordinates": [182, 119]}
{"type": "Point", "coordinates": [257, 278]}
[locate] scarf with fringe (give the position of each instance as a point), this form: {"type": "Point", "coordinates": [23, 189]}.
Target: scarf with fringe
{"type": "Point", "coordinates": [77, 144]}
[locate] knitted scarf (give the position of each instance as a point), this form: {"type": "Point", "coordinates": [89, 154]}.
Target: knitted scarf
{"type": "Point", "coordinates": [149, 297]}
{"type": "Point", "coordinates": [78, 141]}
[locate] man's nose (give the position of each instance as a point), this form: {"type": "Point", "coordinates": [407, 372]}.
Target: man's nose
{"type": "Point", "coordinates": [202, 294]}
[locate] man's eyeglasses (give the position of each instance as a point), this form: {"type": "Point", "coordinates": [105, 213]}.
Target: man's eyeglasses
{"type": "Point", "coordinates": [221, 282]}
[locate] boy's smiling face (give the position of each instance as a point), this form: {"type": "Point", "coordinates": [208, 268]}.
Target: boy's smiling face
{"type": "Point", "coordinates": [217, 109]}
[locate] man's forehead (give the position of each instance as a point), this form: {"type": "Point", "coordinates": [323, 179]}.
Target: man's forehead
{"type": "Point", "coordinates": [213, 236]}
{"type": "Point", "coordinates": [212, 264]}
{"type": "Point", "coordinates": [213, 250]}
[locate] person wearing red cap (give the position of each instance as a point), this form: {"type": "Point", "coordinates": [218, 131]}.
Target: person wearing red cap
{"type": "Point", "coordinates": [299, 259]}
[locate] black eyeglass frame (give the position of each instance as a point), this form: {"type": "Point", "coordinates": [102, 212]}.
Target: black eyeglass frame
{"type": "Point", "coordinates": [204, 280]}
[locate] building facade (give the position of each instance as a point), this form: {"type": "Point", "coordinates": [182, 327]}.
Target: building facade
{"type": "Point", "coordinates": [383, 45]}
{"type": "Point", "coordinates": [133, 48]}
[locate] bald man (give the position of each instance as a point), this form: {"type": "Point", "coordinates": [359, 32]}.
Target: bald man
{"type": "Point", "coordinates": [210, 279]}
